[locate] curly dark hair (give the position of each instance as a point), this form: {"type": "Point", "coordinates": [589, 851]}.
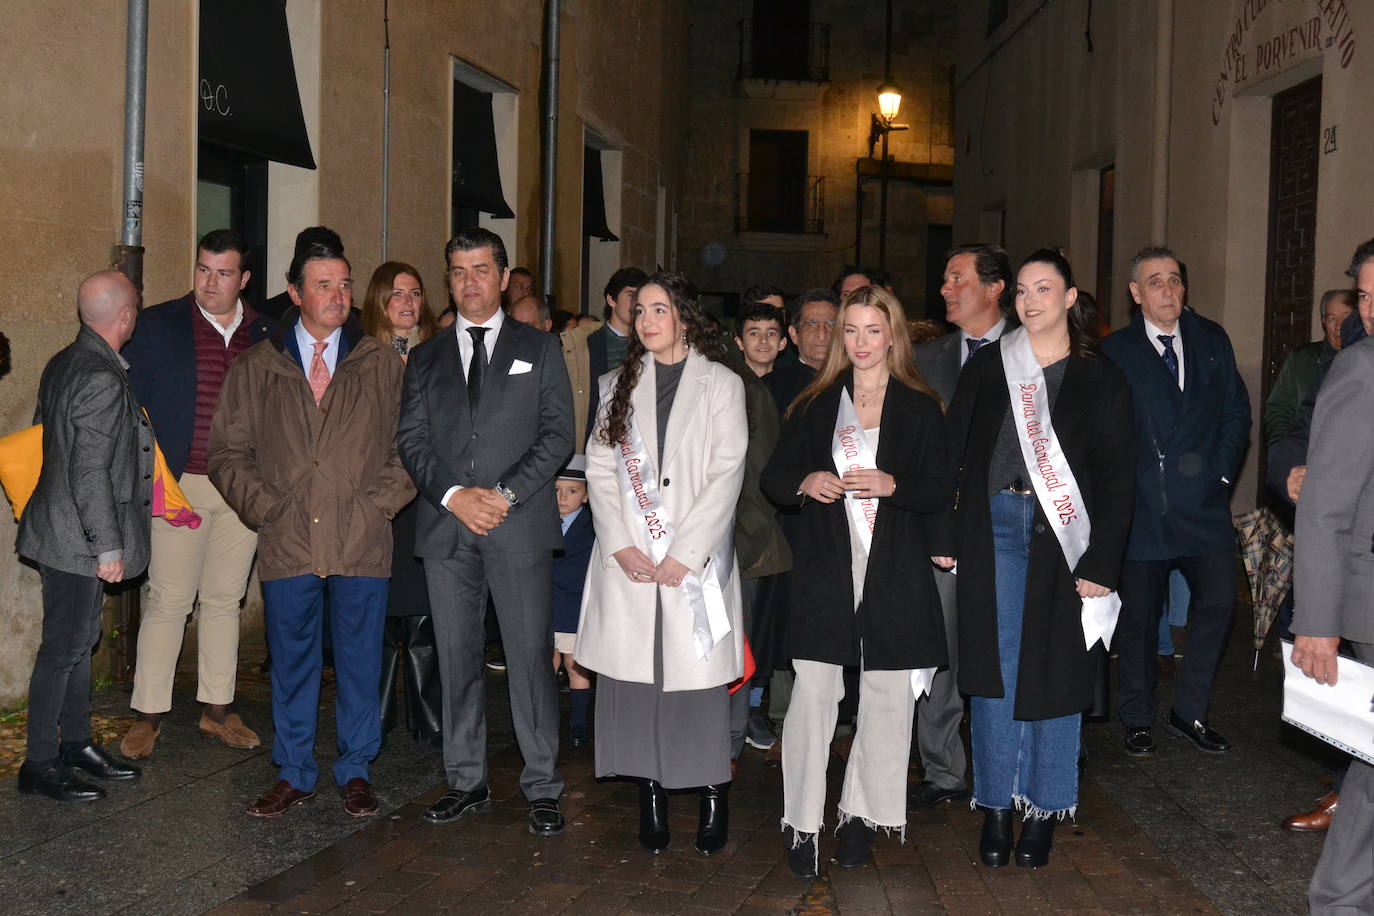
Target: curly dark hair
{"type": "Point", "coordinates": [613, 426]}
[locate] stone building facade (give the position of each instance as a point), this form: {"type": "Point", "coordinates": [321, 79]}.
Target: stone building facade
{"type": "Point", "coordinates": [622, 81]}
{"type": "Point", "coordinates": [796, 81]}
{"type": "Point", "coordinates": [1234, 132]}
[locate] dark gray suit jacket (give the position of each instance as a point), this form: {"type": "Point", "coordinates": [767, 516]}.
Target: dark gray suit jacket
{"type": "Point", "coordinates": [521, 436]}
{"type": "Point", "coordinates": [938, 362]}
{"type": "Point", "coordinates": [95, 490]}
{"type": "Point", "coordinates": [1334, 540]}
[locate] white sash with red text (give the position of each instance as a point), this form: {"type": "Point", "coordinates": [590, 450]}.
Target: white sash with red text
{"type": "Point", "coordinates": [852, 452]}
{"type": "Point", "coordinates": [1057, 490]}
{"type": "Point", "coordinates": [706, 593]}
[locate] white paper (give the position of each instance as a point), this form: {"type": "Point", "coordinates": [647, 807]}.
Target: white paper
{"type": "Point", "coordinates": [1341, 714]}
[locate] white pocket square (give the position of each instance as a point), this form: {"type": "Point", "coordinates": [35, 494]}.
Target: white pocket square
{"type": "Point", "coordinates": [520, 367]}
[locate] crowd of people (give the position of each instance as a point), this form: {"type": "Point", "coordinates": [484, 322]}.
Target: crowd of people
{"type": "Point", "coordinates": [878, 528]}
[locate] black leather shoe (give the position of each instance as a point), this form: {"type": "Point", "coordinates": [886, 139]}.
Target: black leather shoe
{"type": "Point", "coordinates": [653, 816]}
{"type": "Point", "coordinates": [95, 760]}
{"type": "Point", "coordinates": [1203, 735]}
{"type": "Point", "coordinates": [801, 856]}
{"type": "Point", "coordinates": [1034, 843]}
{"type": "Point", "coordinates": [458, 803]}
{"type": "Point", "coordinates": [856, 845]}
{"type": "Point", "coordinates": [927, 795]}
{"type": "Point", "coordinates": [994, 846]}
{"type": "Point", "coordinates": [1140, 742]}
{"type": "Point", "coordinates": [713, 819]}
{"type": "Point", "coordinates": [56, 781]}
{"type": "Point", "coordinates": [546, 819]}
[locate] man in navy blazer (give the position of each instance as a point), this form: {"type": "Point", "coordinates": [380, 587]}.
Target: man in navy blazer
{"type": "Point", "coordinates": [178, 359]}
{"type": "Point", "coordinates": [1192, 418]}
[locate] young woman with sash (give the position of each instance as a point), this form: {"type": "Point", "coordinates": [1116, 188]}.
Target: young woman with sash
{"type": "Point", "coordinates": [660, 617]}
{"type": "Point", "coordinates": [863, 453]}
{"type": "Point", "coordinates": [1042, 430]}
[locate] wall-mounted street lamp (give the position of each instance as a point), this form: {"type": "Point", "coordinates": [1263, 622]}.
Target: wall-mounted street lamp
{"type": "Point", "coordinates": [880, 125]}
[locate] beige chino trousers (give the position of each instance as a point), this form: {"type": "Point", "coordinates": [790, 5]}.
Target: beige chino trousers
{"type": "Point", "coordinates": [212, 562]}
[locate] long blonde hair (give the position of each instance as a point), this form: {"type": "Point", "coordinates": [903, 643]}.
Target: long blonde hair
{"type": "Point", "coordinates": [900, 363]}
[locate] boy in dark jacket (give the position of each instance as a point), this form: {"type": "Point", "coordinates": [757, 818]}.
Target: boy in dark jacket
{"type": "Point", "coordinates": [569, 576]}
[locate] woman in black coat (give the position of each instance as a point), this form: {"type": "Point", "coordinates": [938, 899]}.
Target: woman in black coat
{"type": "Point", "coordinates": [863, 590]}
{"type": "Point", "coordinates": [1040, 520]}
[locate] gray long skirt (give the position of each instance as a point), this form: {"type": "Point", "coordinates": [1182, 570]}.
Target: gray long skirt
{"type": "Point", "coordinates": [679, 738]}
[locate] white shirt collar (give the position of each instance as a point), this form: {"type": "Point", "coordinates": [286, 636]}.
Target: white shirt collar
{"type": "Point", "coordinates": [1153, 333]}
{"type": "Point", "coordinates": [994, 333]}
{"type": "Point", "coordinates": [226, 333]}
{"type": "Point", "coordinates": [567, 520]}
{"type": "Point", "coordinates": [460, 326]}
{"type": "Point", "coordinates": [306, 344]}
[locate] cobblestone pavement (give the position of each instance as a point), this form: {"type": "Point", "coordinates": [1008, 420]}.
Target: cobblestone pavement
{"type": "Point", "coordinates": [1184, 832]}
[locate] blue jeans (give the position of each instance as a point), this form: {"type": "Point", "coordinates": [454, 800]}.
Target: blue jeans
{"type": "Point", "coordinates": [1175, 611]}
{"type": "Point", "coordinates": [1029, 765]}
{"type": "Point", "coordinates": [295, 610]}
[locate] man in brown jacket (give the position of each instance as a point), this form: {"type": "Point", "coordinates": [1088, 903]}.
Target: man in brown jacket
{"type": "Point", "coordinates": [303, 447]}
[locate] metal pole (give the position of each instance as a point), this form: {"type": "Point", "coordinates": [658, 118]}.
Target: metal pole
{"type": "Point", "coordinates": [129, 261]}
{"type": "Point", "coordinates": [129, 257]}
{"type": "Point", "coordinates": [549, 153]}
{"type": "Point", "coordinates": [882, 210]}
{"type": "Point", "coordinates": [386, 123]}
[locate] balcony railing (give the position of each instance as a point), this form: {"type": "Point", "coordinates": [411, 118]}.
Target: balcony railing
{"type": "Point", "coordinates": [776, 207]}
{"type": "Point", "coordinates": [784, 51]}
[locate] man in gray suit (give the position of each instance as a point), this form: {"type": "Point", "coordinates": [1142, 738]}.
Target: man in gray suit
{"type": "Point", "coordinates": [87, 523]}
{"type": "Point", "coordinates": [486, 423]}
{"type": "Point", "coordinates": [978, 293]}
{"type": "Point", "coordinates": [1334, 577]}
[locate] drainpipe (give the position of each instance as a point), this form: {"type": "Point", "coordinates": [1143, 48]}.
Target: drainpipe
{"type": "Point", "coordinates": [129, 261]}
{"type": "Point", "coordinates": [129, 254]}
{"type": "Point", "coordinates": [1159, 183]}
{"type": "Point", "coordinates": [386, 123]}
{"type": "Point", "coordinates": [549, 153]}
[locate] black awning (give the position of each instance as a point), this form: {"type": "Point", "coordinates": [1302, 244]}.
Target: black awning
{"type": "Point", "coordinates": [249, 100]}
{"type": "Point", "coordinates": [476, 170]}
{"type": "Point", "coordinates": [594, 198]}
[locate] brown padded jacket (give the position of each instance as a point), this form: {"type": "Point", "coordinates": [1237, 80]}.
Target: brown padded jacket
{"type": "Point", "coordinates": [318, 483]}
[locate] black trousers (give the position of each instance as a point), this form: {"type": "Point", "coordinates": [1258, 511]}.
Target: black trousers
{"type": "Point", "coordinates": [1144, 587]}
{"type": "Point", "coordinates": [60, 687]}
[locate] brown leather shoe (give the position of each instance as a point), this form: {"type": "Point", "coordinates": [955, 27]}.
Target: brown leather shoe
{"type": "Point", "coordinates": [1317, 820]}
{"type": "Point", "coordinates": [358, 798]}
{"type": "Point", "coordinates": [232, 732]}
{"type": "Point", "coordinates": [139, 739]}
{"type": "Point", "coordinates": [274, 803]}
{"type": "Point", "coordinates": [773, 756]}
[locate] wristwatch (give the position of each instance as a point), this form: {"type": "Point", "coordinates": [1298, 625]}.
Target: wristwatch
{"type": "Point", "coordinates": [507, 494]}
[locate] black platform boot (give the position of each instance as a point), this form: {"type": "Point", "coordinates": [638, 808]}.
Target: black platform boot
{"type": "Point", "coordinates": [856, 844]}
{"type": "Point", "coordinates": [713, 823]}
{"type": "Point", "coordinates": [801, 856]}
{"type": "Point", "coordinates": [653, 816]}
{"type": "Point", "coordinates": [1033, 846]}
{"type": "Point", "coordinates": [424, 693]}
{"type": "Point", "coordinates": [994, 848]}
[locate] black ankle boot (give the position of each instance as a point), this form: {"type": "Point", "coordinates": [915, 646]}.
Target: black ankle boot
{"type": "Point", "coordinates": [1033, 846]}
{"type": "Point", "coordinates": [801, 856]}
{"type": "Point", "coordinates": [653, 816]}
{"type": "Point", "coordinates": [713, 825]}
{"type": "Point", "coordinates": [994, 848]}
{"type": "Point", "coordinates": [856, 845]}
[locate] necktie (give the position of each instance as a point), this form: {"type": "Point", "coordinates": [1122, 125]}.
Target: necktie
{"type": "Point", "coordinates": [1170, 357]}
{"type": "Point", "coordinates": [319, 372]}
{"type": "Point", "coordinates": [475, 367]}
{"type": "Point", "coordinates": [973, 344]}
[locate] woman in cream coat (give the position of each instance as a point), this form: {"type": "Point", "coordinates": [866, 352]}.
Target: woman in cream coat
{"type": "Point", "coordinates": [660, 617]}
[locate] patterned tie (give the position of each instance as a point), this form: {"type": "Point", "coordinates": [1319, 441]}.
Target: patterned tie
{"type": "Point", "coordinates": [319, 372]}
{"type": "Point", "coordinates": [476, 366]}
{"type": "Point", "coordinates": [1170, 357]}
{"type": "Point", "coordinates": [973, 345]}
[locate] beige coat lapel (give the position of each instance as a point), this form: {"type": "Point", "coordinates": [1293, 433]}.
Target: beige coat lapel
{"type": "Point", "coordinates": [690, 390]}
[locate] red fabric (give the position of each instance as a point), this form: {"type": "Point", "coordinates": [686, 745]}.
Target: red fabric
{"type": "Point", "coordinates": [750, 667]}
{"type": "Point", "coordinates": [213, 359]}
